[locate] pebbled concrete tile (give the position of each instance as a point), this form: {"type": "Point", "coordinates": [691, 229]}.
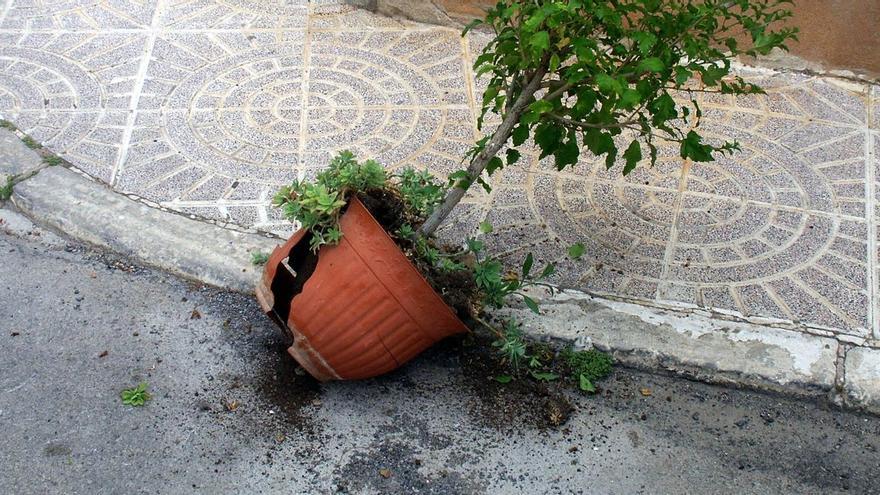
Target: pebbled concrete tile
{"type": "Point", "coordinates": [90, 140]}
{"type": "Point", "coordinates": [225, 146]}
{"type": "Point", "coordinates": [69, 70]}
{"type": "Point", "coordinates": [234, 14]}
{"type": "Point", "coordinates": [84, 15]}
{"type": "Point", "coordinates": [423, 67]}
{"type": "Point", "coordinates": [228, 70]}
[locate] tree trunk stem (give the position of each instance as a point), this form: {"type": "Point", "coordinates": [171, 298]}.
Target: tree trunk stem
{"type": "Point", "coordinates": [478, 164]}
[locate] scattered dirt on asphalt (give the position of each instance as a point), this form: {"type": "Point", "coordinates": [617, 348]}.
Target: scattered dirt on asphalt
{"type": "Point", "coordinates": [288, 389]}
{"type": "Point", "coordinates": [393, 467]}
{"type": "Point", "coordinates": [522, 402]}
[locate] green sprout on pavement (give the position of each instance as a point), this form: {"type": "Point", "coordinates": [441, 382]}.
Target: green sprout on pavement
{"type": "Point", "coordinates": [31, 143]}
{"type": "Point", "coordinates": [259, 258]}
{"type": "Point", "coordinates": [6, 189]}
{"type": "Point", "coordinates": [52, 160]}
{"type": "Point", "coordinates": [587, 367]}
{"type": "Point", "coordinates": [137, 396]}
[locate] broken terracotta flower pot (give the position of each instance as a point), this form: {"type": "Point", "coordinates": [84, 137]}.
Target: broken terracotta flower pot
{"type": "Point", "coordinates": [359, 308]}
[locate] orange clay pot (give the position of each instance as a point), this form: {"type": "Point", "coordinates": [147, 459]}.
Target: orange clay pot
{"type": "Point", "coordinates": [364, 311]}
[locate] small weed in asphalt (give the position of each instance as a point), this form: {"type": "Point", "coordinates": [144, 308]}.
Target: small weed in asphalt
{"type": "Point", "coordinates": [586, 367]}
{"type": "Point", "coordinates": [137, 396]}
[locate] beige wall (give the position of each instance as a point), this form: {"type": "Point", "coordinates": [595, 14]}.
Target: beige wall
{"type": "Point", "coordinates": [837, 34]}
{"type": "Point", "coordinates": [840, 34]}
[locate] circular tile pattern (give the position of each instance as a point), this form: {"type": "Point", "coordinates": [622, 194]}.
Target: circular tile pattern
{"type": "Point", "coordinates": [38, 80]}
{"type": "Point", "coordinates": [240, 111]}
{"type": "Point", "coordinates": [739, 220]}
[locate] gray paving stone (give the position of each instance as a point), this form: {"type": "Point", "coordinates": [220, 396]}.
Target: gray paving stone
{"type": "Point", "coordinates": [69, 70]}
{"type": "Point", "coordinates": [78, 14]}
{"type": "Point", "coordinates": [230, 70]}
{"type": "Point", "coordinates": [89, 140]}
{"type": "Point", "coordinates": [423, 67]}
{"type": "Point", "coordinates": [235, 14]}
{"type": "Point", "coordinates": [809, 179]}
{"type": "Point", "coordinates": [875, 107]}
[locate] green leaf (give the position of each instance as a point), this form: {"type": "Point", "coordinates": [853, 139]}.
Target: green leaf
{"type": "Point", "coordinates": [527, 265]}
{"type": "Point", "coordinates": [662, 109]}
{"type": "Point", "coordinates": [645, 41]}
{"type": "Point", "coordinates": [598, 142]}
{"type": "Point", "coordinates": [632, 155]}
{"type": "Point", "coordinates": [520, 134]}
{"type": "Point", "coordinates": [608, 84]}
{"type": "Point", "coordinates": [513, 156]}
{"type": "Point", "coordinates": [474, 23]}
{"type": "Point", "coordinates": [630, 98]}
{"type": "Point", "coordinates": [576, 250]}
{"type": "Point", "coordinates": [494, 165]}
{"type": "Point", "coordinates": [554, 62]}
{"type": "Point", "coordinates": [548, 136]}
{"type": "Point", "coordinates": [586, 385]}
{"type": "Point", "coordinates": [485, 227]}
{"type": "Point", "coordinates": [652, 64]}
{"type": "Point", "coordinates": [544, 376]}
{"type": "Point", "coordinates": [693, 148]}
{"type": "Point", "coordinates": [531, 304]}
{"type": "Point", "coordinates": [682, 75]}
{"type": "Point", "coordinates": [541, 106]}
{"type": "Point", "coordinates": [568, 152]}
{"type": "Point", "coordinates": [540, 41]}
{"type": "Point", "coordinates": [503, 378]}
{"type": "Point", "coordinates": [550, 269]}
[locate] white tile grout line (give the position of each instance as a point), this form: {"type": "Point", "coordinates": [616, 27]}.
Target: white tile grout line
{"type": "Point", "coordinates": [304, 94]}
{"type": "Point", "coordinates": [871, 219]}
{"type": "Point", "coordinates": [152, 33]}
{"type": "Point", "coordinates": [663, 286]}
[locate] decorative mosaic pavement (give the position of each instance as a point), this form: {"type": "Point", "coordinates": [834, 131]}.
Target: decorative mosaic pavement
{"type": "Point", "coordinates": [207, 106]}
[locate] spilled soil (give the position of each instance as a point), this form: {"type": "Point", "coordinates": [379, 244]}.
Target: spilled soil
{"type": "Point", "coordinates": [522, 402]}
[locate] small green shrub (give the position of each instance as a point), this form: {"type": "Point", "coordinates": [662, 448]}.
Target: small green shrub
{"type": "Point", "coordinates": [317, 206]}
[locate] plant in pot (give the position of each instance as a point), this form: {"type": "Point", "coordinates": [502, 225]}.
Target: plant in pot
{"type": "Point", "coordinates": [365, 286]}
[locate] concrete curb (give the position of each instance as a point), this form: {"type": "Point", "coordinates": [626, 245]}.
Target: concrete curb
{"type": "Point", "coordinates": [693, 343]}
{"type": "Point", "coordinates": [93, 213]}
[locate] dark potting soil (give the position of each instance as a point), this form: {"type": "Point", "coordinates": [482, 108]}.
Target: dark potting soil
{"type": "Point", "coordinates": [456, 287]}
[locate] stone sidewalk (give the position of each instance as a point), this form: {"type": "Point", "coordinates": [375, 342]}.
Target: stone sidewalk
{"type": "Point", "coordinates": [207, 106]}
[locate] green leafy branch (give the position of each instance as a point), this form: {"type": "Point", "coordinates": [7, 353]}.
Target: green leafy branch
{"type": "Point", "coordinates": [573, 76]}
